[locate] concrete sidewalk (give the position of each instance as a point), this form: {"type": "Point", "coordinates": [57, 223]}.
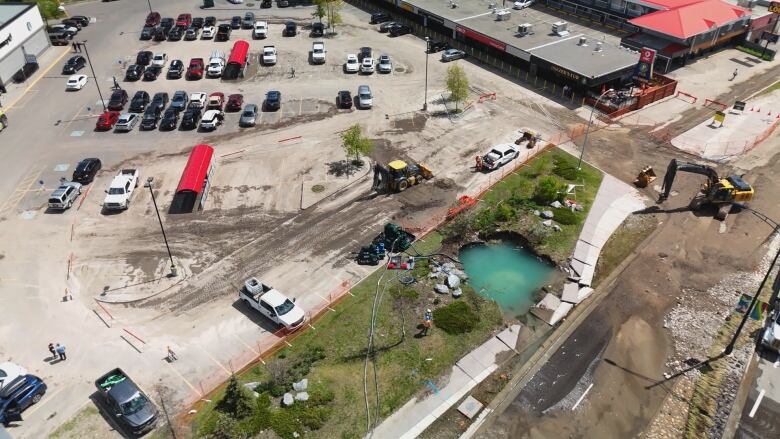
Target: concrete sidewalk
{"type": "Point", "coordinates": [416, 415]}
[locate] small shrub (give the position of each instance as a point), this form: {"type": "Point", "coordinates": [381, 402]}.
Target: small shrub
{"type": "Point", "coordinates": [401, 293]}
{"type": "Point", "coordinates": [565, 168]}
{"type": "Point", "coordinates": [565, 216]}
{"type": "Point", "coordinates": [277, 391]}
{"type": "Point", "coordinates": [225, 427]}
{"type": "Point", "coordinates": [314, 418]}
{"type": "Point", "coordinates": [320, 395]}
{"type": "Point", "coordinates": [236, 402]}
{"type": "Point", "coordinates": [548, 189]}
{"type": "Point", "coordinates": [286, 421]}
{"type": "Point", "coordinates": [504, 212]}
{"type": "Point", "coordinates": [458, 226]}
{"type": "Point", "coordinates": [484, 221]}
{"type": "Point", "coordinates": [455, 318]}
{"type": "Point", "coordinates": [538, 166]}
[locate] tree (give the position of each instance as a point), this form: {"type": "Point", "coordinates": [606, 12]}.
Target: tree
{"type": "Point", "coordinates": [548, 189]}
{"type": "Point", "coordinates": [334, 17]}
{"type": "Point", "coordinates": [355, 144]}
{"type": "Point", "coordinates": [236, 402]}
{"type": "Point", "coordinates": [321, 10]}
{"type": "Point", "coordinates": [457, 84]}
{"type": "Point", "coordinates": [49, 9]}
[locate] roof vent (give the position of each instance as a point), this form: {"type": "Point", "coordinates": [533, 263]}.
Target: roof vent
{"type": "Point", "coordinates": [583, 41]}
{"type": "Point", "coordinates": [560, 28]}
{"type": "Point", "coordinates": [598, 46]}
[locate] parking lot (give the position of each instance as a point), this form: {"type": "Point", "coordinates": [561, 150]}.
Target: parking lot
{"type": "Point", "coordinates": [262, 217]}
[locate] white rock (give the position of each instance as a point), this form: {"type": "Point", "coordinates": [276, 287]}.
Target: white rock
{"type": "Point", "coordinates": [251, 386]}
{"type": "Point", "coordinates": [578, 207]}
{"type": "Point", "coordinates": [556, 227]}
{"type": "Point", "coordinates": [547, 223]}
{"type": "Point", "coordinates": [547, 214]}
{"type": "Point", "coordinates": [441, 288]}
{"type": "Point", "coordinates": [556, 204]}
{"type": "Point", "coordinates": [537, 213]}
{"type": "Point", "coordinates": [302, 396]}
{"type": "Point", "coordinates": [457, 292]}
{"type": "Point", "coordinates": [288, 400]}
{"type": "Point", "coordinates": [453, 281]}
{"type": "Point", "coordinates": [436, 275]}
{"type": "Point", "coordinates": [301, 385]}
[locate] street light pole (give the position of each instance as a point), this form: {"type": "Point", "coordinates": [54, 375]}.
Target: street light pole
{"type": "Point", "coordinates": [150, 5]}
{"type": "Point", "coordinates": [86, 52]}
{"type": "Point", "coordinates": [427, 52]}
{"type": "Point", "coordinates": [165, 238]}
{"type": "Point", "coordinates": [590, 121]}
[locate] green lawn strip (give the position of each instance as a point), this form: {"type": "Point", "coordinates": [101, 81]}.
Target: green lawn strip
{"type": "Point", "coordinates": [404, 363]}
{"type": "Point", "coordinates": [620, 245]}
{"type": "Point", "coordinates": [70, 428]}
{"type": "Point", "coordinates": [770, 89]}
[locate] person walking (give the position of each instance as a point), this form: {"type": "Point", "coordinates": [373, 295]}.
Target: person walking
{"type": "Point", "coordinates": [171, 355]}
{"type": "Point", "coordinates": [60, 349]}
{"type": "Point", "coordinates": [292, 72]}
{"type": "Point", "coordinates": [427, 321]}
{"type": "Point", "coordinates": [53, 352]}
{"type": "Point", "coordinates": [734, 75]}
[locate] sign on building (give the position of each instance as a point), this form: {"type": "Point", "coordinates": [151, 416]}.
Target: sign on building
{"type": "Point", "coordinates": [644, 68]}
{"type": "Point", "coordinates": [774, 7]}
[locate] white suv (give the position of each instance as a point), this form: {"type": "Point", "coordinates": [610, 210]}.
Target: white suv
{"type": "Point", "coordinates": [198, 100]}
{"type": "Point", "coordinates": [352, 65]}
{"type": "Point", "coordinates": [159, 59]}
{"type": "Point", "coordinates": [260, 29]}
{"type": "Point", "coordinates": [64, 196]}
{"type": "Point", "coordinates": [367, 66]}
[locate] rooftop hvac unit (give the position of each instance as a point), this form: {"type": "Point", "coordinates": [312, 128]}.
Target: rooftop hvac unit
{"type": "Point", "coordinates": [503, 15]}
{"type": "Point", "coordinates": [583, 41]}
{"type": "Point", "coordinates": [560, 28]}
{"type": "Point", "coordinates": [598, 46]}
{"type": "Point", "coordinates": [525, 29]}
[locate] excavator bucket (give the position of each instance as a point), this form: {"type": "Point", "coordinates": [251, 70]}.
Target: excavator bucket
{"type": "Point", "coordinates": [645, 177]}
{"type": "Point", "coordinates": [425, 171]}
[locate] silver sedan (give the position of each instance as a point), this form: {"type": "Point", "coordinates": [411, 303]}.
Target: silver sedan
{"type": "Point", "coordinates": [452, 54]}
{"type": "Point", "coordinates": [249, 116]}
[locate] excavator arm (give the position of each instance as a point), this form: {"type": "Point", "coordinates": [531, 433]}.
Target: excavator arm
{"type": "Point", "coordinates": [671, 173]}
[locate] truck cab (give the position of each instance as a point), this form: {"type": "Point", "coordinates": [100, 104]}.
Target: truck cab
{"type": "Point", "coordinates": [121, 190]}
{"type": "Point", "coordinates": [269, 55]}
{"type": "Point", "coordinates": [272, 304]}
{"type": "Point", "coordinates": [318, 52]}
{"type": "Point", "coordinates": [126, 402]}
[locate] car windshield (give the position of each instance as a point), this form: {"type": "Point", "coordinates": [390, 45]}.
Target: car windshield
{"type": "Point", "coordinates": [248, 113]}
{"type": "Point", "coordinates": [133, 405]}
{"type": "Point", "coordinates": [284, 308]}
{"type": "Point", "coordinates": [116, 191]}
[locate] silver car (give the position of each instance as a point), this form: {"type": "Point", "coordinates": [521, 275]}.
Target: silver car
{"type": "Point", "coordinates": [384, 65]}
{"type": "Point", "coordinates": [249, 116]}
{"type": "Point", "coordinates": [64, 196]}
{"type": "Point", "coordinates": [452, 54]}
{"type": "Point", "coordinates": [126, 122]}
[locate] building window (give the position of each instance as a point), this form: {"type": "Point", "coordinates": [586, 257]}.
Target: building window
{"type": "Point", "coordinates": [29, 26]}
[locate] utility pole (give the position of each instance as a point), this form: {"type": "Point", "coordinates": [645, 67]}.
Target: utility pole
{"type": "Point", "coordinates": [150, 5]}
{"type": "Point", "coordinates": [83, 44]}
{"type": "Point", "coordinates": [590, 121]}
{"type": "Point", "coordinates": [165, 238]}
{"type": "Point", "coordinates": [427, 53]}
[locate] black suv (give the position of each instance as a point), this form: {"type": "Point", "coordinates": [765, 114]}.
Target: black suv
{"type": "Point", "coordinates": [190, 119]}
{"type": "Point", "coordinates": [147, 32]}
{"type": "Point", "coordinates": [401, 29]}
{"type": "Point", "coordinates": [167, 23]}
{"type": "Point", "coordinates": [209, 21]}
{"type": "Point", "coordinates": [161, 34]}
{"type": "Point", "coordinates": [134, 72]}
{"type": "Point", "coordinates": [379, 17]}
{"type": "Point", "coordinates": [197, 22]}
{"type": "Point", "coordinates": [74, 64]}
{"type": "Point", "coordinates": [139, 102]}
{"type": "Point", "coordinates": [317, 29]}
{"type": "Point", "coordinates": [86, 170]}
{"type": "Point", "coordinates": [273, 100]}
{"type": "Point", "coordinates": [235, 22]}
{"type": "Point", "coordinates": [150, 117]}
{"type": "Point", "coordinates": [364, 52]}
{"type": "Point", "coordinates": [144, 58]}
{"type": "Point", "coordinates": [160, 100]}
{"type": "Point", "coordinates": [169, 120]}
{"type": "Point", "coordinates": [290, 29]}
{"type": "Point", "coordinates": [175, 34]}
{"type": "Point", "coordinates": [175, 69]}
{"type": "Point", "coordinates": [118, 100]}
{"type": "Point", "coordinates": [437, 46]}
{"type": "Point", "coordinates": [266, 4]}
{"type": "Point", "coordinates": [152, 72]}
{"type": "Point", "coordinates": [223, 32]}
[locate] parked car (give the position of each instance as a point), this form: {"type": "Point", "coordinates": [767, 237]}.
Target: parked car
{"type": "Point", "coordinates": [198, 100]}
{"type": "Point", "coordinates": [126, 122]}
{"type": "Point", "coordinates": [175, 34]}
{"type": "Point", "coordinates": [175, 69]}
{"type": "Point", "coordinates": [365, 98]}
{"type": "Point", "coordinates": [152, 72]}
{"type": "Point", "coordinates": [272, 304]}
{"type": "Point", "coordinates": [190, 119]}
{"type": "Point", "coordinates": [249, 20]}
{"type": "Point", "coordinates": [18, 395]}
{"type": "Point", "coordinates": [167, 23]}
{"type": "Point", "coordinates": [216, 64]}
{"type": "Point", "coordinates": [401, 29]}
{"type": "Point", "coordinates": [249, 116]}
{"type": "Point", "coordinates": [290, 29]}
{"type": "Point", "coordinates": [107, 120]}
{"type": "Point", "coordinates": [235, 22]}
{"type": "Point", "coordinates": [437, 46]}
{"type": "Point", "coordinates": [352, 65]}
{"type": "Point", "coordinates": [216, 101]}
{"type": "Point", "coordinates": [268, 57]}
{"type": "Point", "coordinates": [147, 33]}
{"type": "Point", "coordinates": [153, 19]}
{"type": "Point", "coordinates": [9, 372]}
{"type": "Point", "coordinates": [384, 65]}
{"type": "Point", "coordinates": [498, 156]}
{"type": "Point", "coordinates": [234, 102]}
{"type": "Point", "coordinates": [452, 54]}
{"type": "Point", "coordinates": [385, 27]}
{"type": "Point", "coordinates": [317, 30]}
{"type": "Point", "coordinates": [318, 52]}
{"type": "Point", "coordinates": [282, 3]}
{"type": "Point", "coordinates": [160, 100]}
{"type": "Point", "coordinates": [379, 17]}
{"type": "Point", "coordinates": [139, 102]}
{"type": "Point", "coordinates": [128, 403]}
{"type": "Point", "coordinates": [273, 100]}
{"type": "Point", "coordinates": [74, 64]}
{"type": "Point", "coordinates": [344, 99]}
{"type": "Point", "coordinates": [265, 4]}
{"type": "Point", "coordinates": [134, 72]}
{"type": "Point", "coordinates": [260, 30]}
{"type": "Point", "coordinates": [60, 38]}
{"type": "Point", "coordinates": [197, 22]}
{"type": "Point", "coordinates": [184, 20]}
{"type": "Point", "coordinates": [210, 21]}
{"type": "Point", "coordinates": [72, 23]}
{"type": "Point", "coordinates": [211, 120]}
{"type": "Point", "coordinates": [169, 120]}
{"type": "Point", "coordinates": [64, 196]}
{"type": "Point", "coordinates": [161, 33]}
{"type": "Point", "coordinates": [179, 100]}
{"type": "Point", "coordinates": [86, 170]}
{"type": "Point", "coordinates": [159, 59]}
{"type": "Point", "coordinates": [144, 58]}
{"type": "Point", "coordinates": [364, 52]}
{"type": "Point", "coordinates": [76, 82]}
{"type": "Point", "coordinates": [191, 34]}
{"type": "Point", "coordinates": [223, 32]}
{"type": "Point", "coordinates": [73, 30]}
{"type": "Point", "coordinates": [207, 32]}
{"type": "Point", "coordinates": [522, 4]}
{"type": "Point", "coordinates": [83, 19]}
{"type": "Point", "coordinates": [195, 69]}
{"type": "Point", "coordinates": [367, 66]}
{"type": "Point", "coordinates": [150, 118]}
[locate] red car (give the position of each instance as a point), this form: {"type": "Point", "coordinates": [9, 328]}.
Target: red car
{"type": "Point", "coordinates": [184, 20]}
{"type": "Point", "coordinates": [153, 19]}
{"type": "Point", "coordinates": [107, 120]}
{"type": "Point", "coordinates": [195, 69]}
{"type": "Point", "coordinates": [235, 102]}
{"type": "Point", "coordinates": [216, 101]}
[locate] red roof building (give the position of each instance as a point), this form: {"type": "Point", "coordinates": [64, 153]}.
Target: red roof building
{"type": "Point", "coordinates": [692, 19]}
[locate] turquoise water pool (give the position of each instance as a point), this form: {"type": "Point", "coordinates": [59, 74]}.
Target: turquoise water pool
{"type": "Point", "coordinates": [505, 273]}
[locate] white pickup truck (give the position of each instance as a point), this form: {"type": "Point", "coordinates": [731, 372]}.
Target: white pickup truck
{"type": "Point", "coordinates": [121, 190]}
{"type": "Point", "coordinates": [269, 55]}
{"type": "Point", "coordinates": [318, 52]}
{"type": "Point", "coordinates": [272, 304]}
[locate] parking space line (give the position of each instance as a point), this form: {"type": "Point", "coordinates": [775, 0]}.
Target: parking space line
{"type": "Point", "coordinates": [40, 404]}
{"type": "Point", "coordinates": [21, 190]}
{"type": "Point", "coordinates": [300, 106]}
{"type": "Point", "coordinates": [215, 360]}
{"type": "Point", "coordinates": [35, 81]}
{"type": "Point", "coordinates": [757, 403]}
{"type": "Point", "coordinates": [246, 344]}
{"type": "Point", "coordinates": [184, 379]}
{"type": "Point", "coordinates": [76, 116]}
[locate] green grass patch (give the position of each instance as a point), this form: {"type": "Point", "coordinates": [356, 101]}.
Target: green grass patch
{"type": "Point", "coordinates": [620, 245]}
{"type": "Point", "coordinates": [770, 89]}
{"type": "Point", "coordinates": [757, 53]}
{"type": "Point", "coordinates": [404, 362]}
{"type": "Point", "coordinates": [456, 318]}
{"type": "Point", "coordinates": [71, 429]}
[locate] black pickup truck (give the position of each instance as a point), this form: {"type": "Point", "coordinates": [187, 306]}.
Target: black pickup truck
{"type": "Point", "coordinates": [126, 402]}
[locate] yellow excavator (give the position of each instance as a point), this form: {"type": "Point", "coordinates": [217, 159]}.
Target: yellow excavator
{"type": "Point", "coordinates": [398, 175]}
{"type": "Point", "coordinates": [720, 192]}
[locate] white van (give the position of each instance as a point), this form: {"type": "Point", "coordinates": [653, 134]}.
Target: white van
{"type": "Point", "coordinates": [365, 98]}
{"type": "Point", "coordinates": [216, 64]}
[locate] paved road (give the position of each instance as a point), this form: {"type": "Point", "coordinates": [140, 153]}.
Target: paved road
{"type": "Point", "coordinates": [762, 408]}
